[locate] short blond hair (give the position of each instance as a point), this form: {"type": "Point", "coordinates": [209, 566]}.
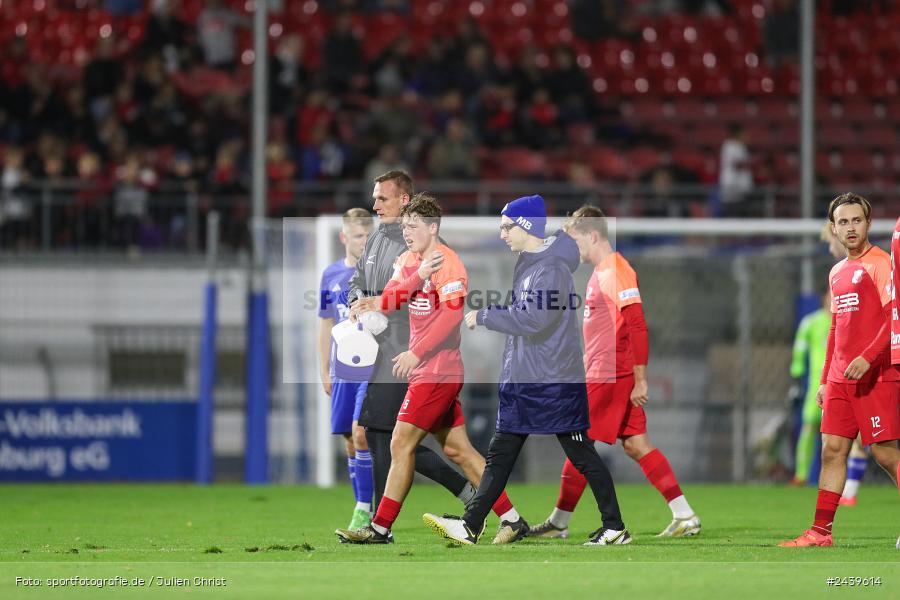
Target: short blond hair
{"type": "Point", "coordinates": [358, 216]}
{"type": "Point", "coordinates": [588, 218]}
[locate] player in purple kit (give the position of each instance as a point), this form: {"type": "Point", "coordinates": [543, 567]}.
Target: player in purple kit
{"type": "Point", "coordinates": [346, 396]}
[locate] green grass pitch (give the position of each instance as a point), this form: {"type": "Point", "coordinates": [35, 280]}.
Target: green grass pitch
{"type": "Point", "coordinates": [277, 542]}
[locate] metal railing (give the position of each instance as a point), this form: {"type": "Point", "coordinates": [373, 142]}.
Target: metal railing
{"type": "Point", "coordinates": [71, 216]}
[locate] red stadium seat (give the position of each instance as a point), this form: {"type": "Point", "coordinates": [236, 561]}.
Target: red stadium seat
{"type": "Point", "coordinates": [732, 109]}
{"type": "Point", "coordinates": [709, 135]}
{"type": "Point", "coordinates": [860, 111]}
{"type": "Point", "coordinates": [608, 163]}
{"type": "Point", "coordinates": [691, 109]}
{"type": "Point", "coordinates": [884, 138]}
{"type": "Point", "coordinates": [520, 162]}
{"type": "Point", "coordinates": [643, 158]}
{"type": "Point", "coordinates": [836, 136]}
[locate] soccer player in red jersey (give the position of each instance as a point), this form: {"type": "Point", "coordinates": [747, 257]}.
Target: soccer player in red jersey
{"type": "Point", "coordinates": [432, 280]}
{"type": "Point", "coordinates": [859, 391]}
{"type": "Point", "coordinates": [895, 304]}
{"type": "Point", "coordinates": [615, 362]}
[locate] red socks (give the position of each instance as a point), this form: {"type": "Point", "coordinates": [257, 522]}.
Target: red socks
{"type": "Point", "coordinates": [571, 486]}
{"type": "Point", "coordinates": [826, 506]}
{"type": "Point", "coordinates": [659, 473]}
{"type": "Point", "coordinates": [387, 512]}
{"type": "Point", "coordinates": [503, 505]}
{"type": "Point", "coordinates": [654, 465]}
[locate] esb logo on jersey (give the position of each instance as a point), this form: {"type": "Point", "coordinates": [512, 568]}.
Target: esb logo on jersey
{"type": "Point", "coordinates": [847, 302]}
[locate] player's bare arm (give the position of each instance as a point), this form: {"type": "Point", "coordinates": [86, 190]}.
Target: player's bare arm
{"type": "Point", "coordinates": [431, 264]}
{"type": "Point", "coordinates": [365, 304]}
{"type": "Point", "coordinates": [325, 325]}
{"type": "Point", "coordinates": [820, 396]}
{"type": "Point", "coordinates": [857, 368]}
{"type": "Point", "coordinates": [639, 394]}
{"type": "Point", "coordinates": [404, 363]}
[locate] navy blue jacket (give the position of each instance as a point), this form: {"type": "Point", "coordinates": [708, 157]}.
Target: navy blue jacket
{"type": "Point", "coordinates": [542, 387]}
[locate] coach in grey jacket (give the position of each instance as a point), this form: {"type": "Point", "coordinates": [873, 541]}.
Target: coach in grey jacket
{"type": "Point", "coordinates": [385, 393]}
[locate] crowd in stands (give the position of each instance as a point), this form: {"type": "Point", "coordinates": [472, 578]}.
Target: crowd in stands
{"type": "Point", "coordinates": [124, 101]}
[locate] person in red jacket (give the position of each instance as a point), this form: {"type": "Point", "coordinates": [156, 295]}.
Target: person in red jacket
{"type": "Point", "coordinates": [432, 281]}
{"type": "Point", "coordinates": [859, 391]}
{"type": "Point", "coordinates": [615, 363]}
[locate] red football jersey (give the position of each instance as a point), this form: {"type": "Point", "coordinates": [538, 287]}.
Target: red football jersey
{"type": "Point", "coordinates": [607, 347]}
{"type": "Point", "coordinates": [860, 290]}
{"type": "Point", "coordinates": [895, 303]}
{"type": "Point", "coordinates": [435, 312]}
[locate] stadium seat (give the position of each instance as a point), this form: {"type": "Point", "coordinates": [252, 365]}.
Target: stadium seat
{"type": "Point", "coordinates": [608, 163]}
{"type": "Point", "coordinates": [522, 163]}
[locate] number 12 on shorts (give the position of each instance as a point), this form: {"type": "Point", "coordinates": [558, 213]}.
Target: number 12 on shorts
{"type": "Point", "coordinates": [876, 422]}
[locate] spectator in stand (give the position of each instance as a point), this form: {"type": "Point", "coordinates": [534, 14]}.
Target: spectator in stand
{"type": "Point", "coordinates": [101, 78]}
{"type": "Point", "coordinates": [15, 200]}
{"type": "Point", "coordinates": [229, 194]}
{"type": "Point", "coordinates": [476, 72]}
{"type": "Point", "coordinates": [394, 122]}
{"type": "Point", "coordinates": [735, 174]}
{"type": "Point", "coordinates": [200, 147]}
{"type": "Point", "coordinates": [165, 121]}
{"type": "Point", "coordinates": [343, 55]}
{"type": "Point", "coordinates": [393, 68]}
{"type": "Point", "coordinates": [166, 34]}
{"type": "Point", "coordinates": [496, 113]}
{"type": "Point", "coordinates": [848, 8]}
{"type": "Point", "coordinates": [317, 109]}
{"type": "Point", "coordinates": [529, 73]}
{"type": "Point", "coordinates": [540, 120]}
{"type": "Point", "coordinates": [594, 20]}
{"type": "Point", "coordinates": [581, 176]}
{"type": "Point", "coordinates": [288, 75]}
{"type": "Point", "coordinates": [76, 123]}
{"type": "Point", "coordinates": [780, 33]}
{"type": "Point", "coordinates": [430, 77]}
{"type": "Point", "coordinates": [398, 6]}
{"type": "Point", "coordinates": [713, 8]}
{"type": "Point", "coordinates": [280, 171]}
{"type": "Point", "coordinates": [387, 159]}
{"type": "Point", "coordinates": [571, 90]}
{"type": "Point", "coordinates": [450, 105]}
{"type": "Point", "coordinates": [661, 198]}
{"type": "Point", "coordinates": [453, 155]}
{"type": "Point", "coordinates": [130, 197]}
{"type": "Point", "coordinates": [468, 34]}
{"type": "Point", "coordinates": [216, 29]}
{"type": "Point", "coordinates": [46, 109]}
{"type": "Point", "coordinates": [325, 157]}
{"type": "Point", "coordinates": [125, 107]}
{"type": "Point", "coordinates": [88, 213]}
{"type": "Point", "coordinates": [123, 8]}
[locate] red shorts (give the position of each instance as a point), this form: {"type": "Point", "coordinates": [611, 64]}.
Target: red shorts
{"type": "Point", "coordinates": [871, 409]}
{"type": "Point", "coordinates": [613, 416]}
{"type": "Point", "coordinates": [432, 405]}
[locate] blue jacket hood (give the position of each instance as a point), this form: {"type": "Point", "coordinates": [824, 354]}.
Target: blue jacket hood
{"type": "Point", "coordinates": [542, 386]}
{"type": "Point", "coordinates": [559, 247]}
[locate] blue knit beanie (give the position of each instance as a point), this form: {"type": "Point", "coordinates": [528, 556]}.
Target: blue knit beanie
{"type": "Point", "coordinates": [528, 213]}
